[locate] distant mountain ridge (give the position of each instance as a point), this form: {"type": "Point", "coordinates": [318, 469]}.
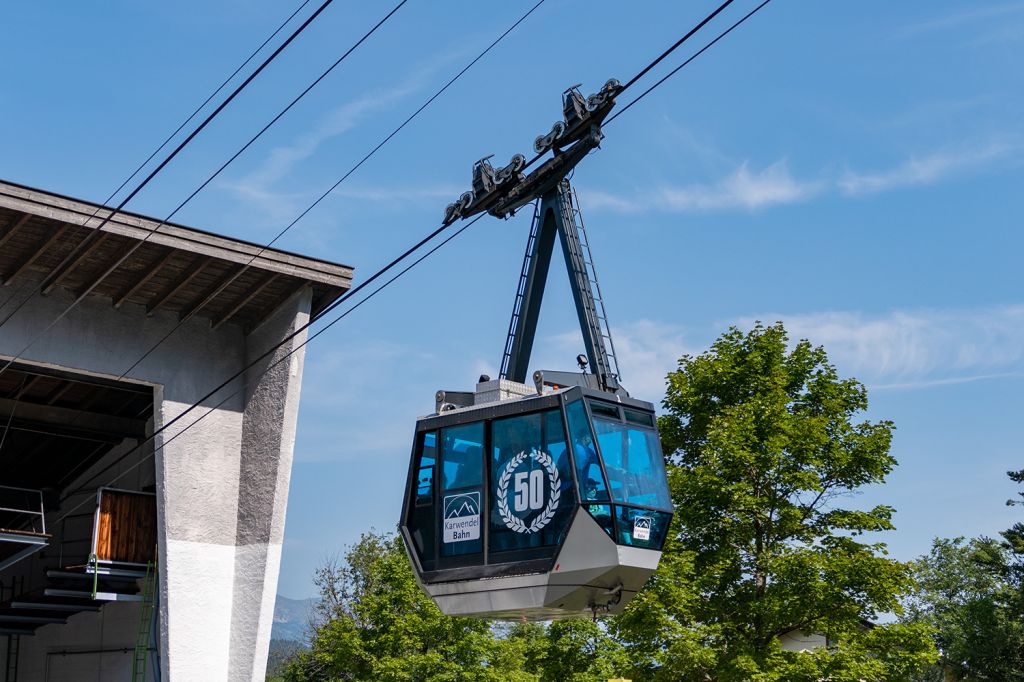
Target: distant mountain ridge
{"type": "Point", "coordinates": [291, 619]}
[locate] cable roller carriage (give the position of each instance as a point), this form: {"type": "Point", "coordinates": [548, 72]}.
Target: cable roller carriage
{"type": "Point", "coordinates": [545, 500]}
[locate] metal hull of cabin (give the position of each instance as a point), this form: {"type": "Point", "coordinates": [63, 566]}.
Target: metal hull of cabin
{"type": "Point", "coordinates": [588, 569]}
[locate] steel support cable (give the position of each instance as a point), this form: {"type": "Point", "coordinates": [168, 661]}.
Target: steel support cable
{"type": "Point", "coordinates": [273, 364]}
{"type": "Point", "coordinates": [657, 60]}
{"type": "Point", "coordinates": [688, 60]}
{"type": "Point", "coordinates": [379, 273]}
{"type": "Point", "coordinates": [352, 292]}
{"type": "Point", "coordinates": [61, 265]}
{"type": "Point", "coordinates": [131, 195]}
{"type": "Point", "coordinates": [127, 254]}
{"type": "Point", "coordinates": [200, 107]}
{"type": "Point", "coordinates": [333, 187]}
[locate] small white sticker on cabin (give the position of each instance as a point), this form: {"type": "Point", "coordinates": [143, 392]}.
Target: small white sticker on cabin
{"type": "Point", "coordinates": [642, 527]}
{"type": "Point", "coordinates": [462, 517]}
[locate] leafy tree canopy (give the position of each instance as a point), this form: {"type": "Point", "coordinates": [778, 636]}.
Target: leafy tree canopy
{"type": "Point", "coordinates": [375, 624]}
{"type": "Point", "coordinates": [765, 441]}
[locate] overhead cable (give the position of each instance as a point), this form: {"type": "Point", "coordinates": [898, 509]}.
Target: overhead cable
{"type": "Point", "coordinates": [333, 187]}
{"type": "Point", "coordinates": [49, 280]}
{"type": "Point", "coordinates": [657, 60]}
{"type": "Point", "coordinates": [690, 59]}
{"type": "Point", "coordinates": [376, 276]}
{"type": "Point", "coordinates": [276, 362]}
{"type": "Point", "coordinates": [124, 256]}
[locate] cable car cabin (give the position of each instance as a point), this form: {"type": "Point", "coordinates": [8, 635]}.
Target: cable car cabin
{"type": "Point", "coordinates": [532, 506]}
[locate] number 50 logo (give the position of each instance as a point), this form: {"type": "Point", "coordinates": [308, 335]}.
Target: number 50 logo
{"type": "Point", "coordinates": [529, 492]}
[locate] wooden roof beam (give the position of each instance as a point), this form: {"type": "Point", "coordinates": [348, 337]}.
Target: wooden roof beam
{"type": "Point", "coordinates": [32, 257]}
{"type": "Point", "coordinates": [243, 300]}
{"type": "Point", "coordinates": [180, 284]}
{"type": "Point", "coordinates": [267, 311]}
{"type": "Point", "coordinates": [146, 275]}
{"type": "Point", "coordinates": [9, 231]}
{"type": "Point", "coordinates": [70, 263]}
{"type": "Point", "coordinates": [212, 292]}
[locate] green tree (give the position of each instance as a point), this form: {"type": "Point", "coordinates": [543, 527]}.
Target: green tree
{"type": "Point", "coordinates": [375, 624]}
{"type": "Point", "coordinates": [765, 442]}
{"type": "Point", "coordinates": [963, 595]}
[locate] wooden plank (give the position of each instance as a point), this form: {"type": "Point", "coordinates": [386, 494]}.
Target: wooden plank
{"type": "Point", "coordinates": [126, 531]}
{"type": "Point", "coordinates": [175, 236]}
{"type": "Point", "coordinates": [180, 284]}
{"type": "Point", "coordinates": [147, 275]}
{"type": "Point", "coordinates": [34, 255]}
{"type": "Point", "coordinates": [72, 261]}
{"type": "Point", "coordinates": [262, 315]}
{"type": "Point", "coordinates": [11, 229]}
{"type": "Point", "coordinates": [211, 292]}
{"type": "Point", "coordinates": [242, 301]}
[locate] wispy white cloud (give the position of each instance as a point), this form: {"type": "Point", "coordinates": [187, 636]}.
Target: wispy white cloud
{"type": "Point", "coordinates": [742, 189]}
{"type": "Point", "coordinates": [775, 185]}
{"type": "Point", "coordinates": [928, 169]}
{"type": "Point", "coordinates": [906, 349]}
{"type": "Point", "coordinates": [898, 350]}
{"type": "Point", "coordinates": [260, 187]}
{"type": "Point", "coordinates": [980, 12]}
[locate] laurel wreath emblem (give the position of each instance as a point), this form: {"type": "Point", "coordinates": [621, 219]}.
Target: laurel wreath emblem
{"type": "Point", "coordinates": [544, 518]}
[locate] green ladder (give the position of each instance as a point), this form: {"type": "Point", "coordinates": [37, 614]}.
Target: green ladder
{"type": "Point", "coordinates": [145, 625]}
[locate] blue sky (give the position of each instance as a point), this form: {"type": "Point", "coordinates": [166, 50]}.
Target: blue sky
{"type": "Point", "coordinates": [852, 169]}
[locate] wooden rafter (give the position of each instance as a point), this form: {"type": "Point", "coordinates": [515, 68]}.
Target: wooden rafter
{"type": "Point", "coordinates": [147, 274]}
{"type": "Point", "coordinates": [197, 267]}
{"type": "Point", "coordinates": [211, 292]}
{"type": "Point", "coordinates": [34, 255]}
{"type": "Point", "coordinates": [243, 300]}
{"type": "Point", "coordinates": [9, 231]}
{"type": "Point", "coordinates": [64, 269]}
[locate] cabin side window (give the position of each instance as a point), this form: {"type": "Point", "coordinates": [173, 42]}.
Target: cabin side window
{"type": "Point", "coordinates": [421, 511]}
{"type": "Point", "coordinates": [588, 466]}
{"type": "Point", "coordinates": [462, 461]}
{"type": "Point", "coordinates": [531, 482]}
{"type": "Point", "coordinates": [636, 468]}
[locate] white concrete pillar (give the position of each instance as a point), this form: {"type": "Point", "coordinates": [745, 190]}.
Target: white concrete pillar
{"type": "Point", "coordinates": [222, 489]}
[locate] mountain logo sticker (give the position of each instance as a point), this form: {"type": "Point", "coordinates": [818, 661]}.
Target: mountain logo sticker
{"type": "Point", "coordinates": [462, 517]}
{"type": "Point", "coordinates": [642, 527]}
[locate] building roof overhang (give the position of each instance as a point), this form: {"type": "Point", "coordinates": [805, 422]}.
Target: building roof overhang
{"type": "Point", "coordinates": [50, 241]}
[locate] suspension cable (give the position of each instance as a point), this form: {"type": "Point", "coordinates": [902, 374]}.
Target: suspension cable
{"type": "Point", "coordinates": [276, 362]}
{"type": "Point", "coordinates": [325, 194]}
{"type": "Point", "coordinates": [352, 292]}
{"type": "Point", "coordinates": [127, 254]}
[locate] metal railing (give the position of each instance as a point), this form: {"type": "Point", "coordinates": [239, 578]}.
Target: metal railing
{"type": "Point", "coordinates": [21, 510]}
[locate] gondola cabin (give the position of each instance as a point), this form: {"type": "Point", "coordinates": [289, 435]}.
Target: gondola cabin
{"type": "Point", "coordinates": [537, 506]}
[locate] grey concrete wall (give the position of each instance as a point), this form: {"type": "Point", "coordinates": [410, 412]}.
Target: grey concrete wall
{"type": "Point", "coordinates": [222, 484]}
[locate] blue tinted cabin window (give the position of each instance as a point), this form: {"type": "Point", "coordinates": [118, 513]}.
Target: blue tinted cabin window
{"type": "Point", "coordinates": [642, 527]}
{"type": "Point", "coordinates": [636, 468]}
{"type": "Point", "coordinates": [462, 453]}
{"type": "Point", "coordinates": [425, 472]}
{"type": "Point", "coordinates": [422, 519]}
{"type": "Point", "coordinates": [588, 467]}
{"type": "Point", "coordinates": [531, 482]}
{"type": "Point", "coordinates": [602, 513]}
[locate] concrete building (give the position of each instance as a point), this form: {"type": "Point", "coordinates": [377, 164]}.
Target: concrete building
{"type": "Point", "coordinates": [88, 495]}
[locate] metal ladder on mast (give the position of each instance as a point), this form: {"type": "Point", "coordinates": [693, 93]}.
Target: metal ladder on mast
{"type": "Point", "coordinates": [557, 215]}
{"type": "Point", "coordinates": [142, 641]}
{"type": "Point", "coordinates": [517, 306]}
{"type": "Point", "coordinates": [583, 259]}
